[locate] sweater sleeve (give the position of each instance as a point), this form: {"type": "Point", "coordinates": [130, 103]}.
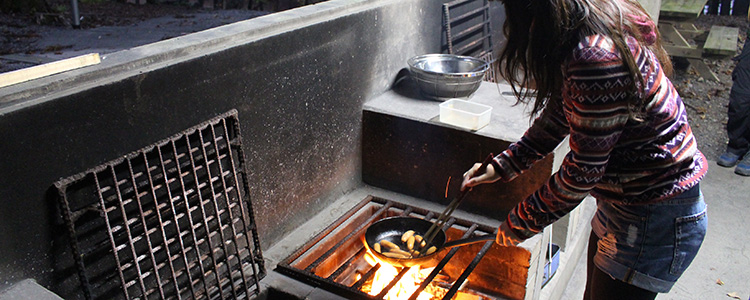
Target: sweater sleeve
{"type": "Point", "coordinates": [547, 131]}
{"type": "Point", "coordinates": [596, 110]}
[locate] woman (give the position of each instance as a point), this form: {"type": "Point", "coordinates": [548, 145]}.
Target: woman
{"type": "Point", "coordinates": [599, 77]}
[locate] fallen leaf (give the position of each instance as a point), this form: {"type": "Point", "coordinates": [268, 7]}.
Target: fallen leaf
{"type": "Point", "coordinates": [734, 295]}
{"type": "Point", "coordinates": [719, 282]}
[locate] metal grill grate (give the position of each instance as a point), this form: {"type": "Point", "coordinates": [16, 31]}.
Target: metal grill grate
{"type": "Point", "coordinates": [332, 258]}
{"type": "Point", "coordinates": [468, 32]}
{"type": "Point", "coordinates": [172, 220]}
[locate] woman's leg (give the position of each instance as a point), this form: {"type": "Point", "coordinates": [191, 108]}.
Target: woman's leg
{"type": "Point", "coordinates": [601, 286]}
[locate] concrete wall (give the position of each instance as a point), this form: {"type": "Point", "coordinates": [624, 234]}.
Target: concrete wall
{"type": "Point", "coordinates": [298, 79]}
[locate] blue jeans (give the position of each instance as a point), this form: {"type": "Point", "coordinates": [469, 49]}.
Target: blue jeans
{"type": "Point", "coordinates": [650, 246]}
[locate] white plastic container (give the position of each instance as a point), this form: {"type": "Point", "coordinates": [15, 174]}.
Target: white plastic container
{"type": "Point", "coordinates": [466, 114]}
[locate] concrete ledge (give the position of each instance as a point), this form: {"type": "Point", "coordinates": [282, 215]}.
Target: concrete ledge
{"type": "Point", "coordinates": [28, 289]}
{"type": "Point", "coordinates": [123, 64]}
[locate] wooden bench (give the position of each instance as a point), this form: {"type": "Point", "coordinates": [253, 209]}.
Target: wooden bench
{"type": "Point", "coordinates": [681, 9]}
{"type": "Point", "coordinates": [675, 18]}
{"type": "Point", "coordinates": [721, 40]}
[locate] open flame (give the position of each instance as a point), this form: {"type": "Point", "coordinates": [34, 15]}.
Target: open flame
{"type": "Point", "coordinates": [404, 288]}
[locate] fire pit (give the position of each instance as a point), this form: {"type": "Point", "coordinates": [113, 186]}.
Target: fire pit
{"type": "Point", "coordinates": [337, 260]}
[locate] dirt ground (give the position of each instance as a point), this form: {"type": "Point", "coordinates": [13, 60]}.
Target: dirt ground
{"type": "Point", "coordinates": [705, 100]}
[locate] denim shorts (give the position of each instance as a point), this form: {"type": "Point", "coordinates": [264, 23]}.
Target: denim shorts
{"type": "Point", "coordinates": [650, 246]}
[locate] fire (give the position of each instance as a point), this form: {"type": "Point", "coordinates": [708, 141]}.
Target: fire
{"type": "Point", "coordinates": [404, 288]}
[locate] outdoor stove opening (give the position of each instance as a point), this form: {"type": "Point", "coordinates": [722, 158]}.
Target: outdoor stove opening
{"type": "Point", "coordinates": [337, 260]}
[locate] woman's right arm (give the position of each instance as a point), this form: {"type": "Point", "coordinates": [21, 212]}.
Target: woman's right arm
{"type": "Point", "coordinates": [547, 131]}
{"type": "Point", "coordinates": [544, 135]}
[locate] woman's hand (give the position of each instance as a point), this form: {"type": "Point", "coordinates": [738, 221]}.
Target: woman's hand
{"type": "Point", "coordinates": [506, 237]}
{"type": "Point", "coordinates": [470, 180]}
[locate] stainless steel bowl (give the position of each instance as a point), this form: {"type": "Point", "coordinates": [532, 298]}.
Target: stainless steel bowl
{"type": "Point", "coordinates": [445, 76]}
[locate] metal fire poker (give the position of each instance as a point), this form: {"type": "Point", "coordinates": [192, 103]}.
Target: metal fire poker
{"type": "Point", "coordinates": [443, 217]}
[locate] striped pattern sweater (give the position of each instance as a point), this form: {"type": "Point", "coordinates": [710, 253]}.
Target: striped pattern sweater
{"type": "Point", "coordinates": [612, 157]}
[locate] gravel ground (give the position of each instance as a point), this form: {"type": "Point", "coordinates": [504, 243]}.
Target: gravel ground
{"type": "Point", "coordinates": [706, 100]}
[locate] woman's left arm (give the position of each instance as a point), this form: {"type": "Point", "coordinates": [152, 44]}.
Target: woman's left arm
{"type": "Point", "coordinates": [596, 107]}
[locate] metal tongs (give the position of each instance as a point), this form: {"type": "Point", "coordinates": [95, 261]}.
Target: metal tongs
{"type": "Point", "coordinates": [429, 236]}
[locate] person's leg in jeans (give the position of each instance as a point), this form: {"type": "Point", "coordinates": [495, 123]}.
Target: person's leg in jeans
{"type": "Point", "coordinates": [600, 286]}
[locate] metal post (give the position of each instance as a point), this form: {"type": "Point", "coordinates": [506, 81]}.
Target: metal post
{"type": "Point", "coordinates": [76, 17]}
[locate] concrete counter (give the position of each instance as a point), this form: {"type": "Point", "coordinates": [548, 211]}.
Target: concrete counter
{"type": "Point", "coordinates": [508, 121]}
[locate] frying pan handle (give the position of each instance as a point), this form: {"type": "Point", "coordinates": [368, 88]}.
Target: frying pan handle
{"type": "Point", "coordinates": [471, 240]}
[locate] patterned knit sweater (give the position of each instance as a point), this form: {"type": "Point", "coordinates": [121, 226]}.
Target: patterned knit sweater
{"type": "Point", "coordinates": [612, 157]}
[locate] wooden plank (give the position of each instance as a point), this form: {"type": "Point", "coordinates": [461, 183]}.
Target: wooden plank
{"type": "Point", "coordinates": [681, 51]}
{"type": "Point", "coordinates": [671, 36]}
{"type": "Point", "coordinates": [698, 36]}
{"type": "Point", "coordinates": [652, 8]}
{"type": "Point", "coordinates": [703, 69]}
{"type": "Point", "coordinates": [722, 40]}
{"type": "Point", "coordinates": [684, 9]}
{"type": "Point", "coordinates": [47, 69]}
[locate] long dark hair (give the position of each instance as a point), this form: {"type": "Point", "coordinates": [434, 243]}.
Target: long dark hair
{"type": "Point", "coordinates": [543, 33]}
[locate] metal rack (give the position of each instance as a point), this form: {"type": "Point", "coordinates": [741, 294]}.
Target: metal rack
{"type": "Point", "coordinates": [172, 220]}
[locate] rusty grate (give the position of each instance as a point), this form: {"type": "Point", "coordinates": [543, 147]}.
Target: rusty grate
{"type": "Point", "coordinates": [334, 259]}
{"type": "Point", "coordinates": [468, 31]}
{"type": "Point", "coordinates": [172, 220]}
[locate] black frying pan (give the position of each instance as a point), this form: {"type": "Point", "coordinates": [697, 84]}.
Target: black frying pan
{"type": "Point", "coordinates": [391, 229]}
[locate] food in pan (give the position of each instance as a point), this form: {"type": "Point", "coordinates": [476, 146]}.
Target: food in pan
{"type": "Point", "coordinates": [410, 240]}
{"type": "Point", "coordinates": [407, 235]}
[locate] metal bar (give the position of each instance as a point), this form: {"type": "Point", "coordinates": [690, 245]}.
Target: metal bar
{"type": "Point", "coordinates": [203, 214]}
{"type": "Point", "coordinates": [358, 285]}
{"type": "Point", "coordinates": [127, 230]}
{"type": "Point", "coordinates": [439, 267]}
{"type": "Point", "coordinates": [345, 265]}
{"type": "Point", "coordinates": [479, 27]}
{"type": "Point", "coordinates": [294, 256]}
{"type": "Point", "coordinates": [207, 165]}
{"type": "Point", "coordinates": [468, 270]}
{"type": "Point", "coordinates": [472, 44]}
{"type": "Point", "coordinates": [257, 255]}
{"type": "Point", "coordinates": [393, 282]}
{"type": "Point", "coordinates": [456, 3]}
{"type": "Point", "coordinates": [75, 16]}
{"type": "Point", "coordinates": [351, 234]}
{"type": "Point", "coordinates": [74, 246]}
{"type": "Point", "coordinates": [469, 14]}
{"type": "Point", "coordinates": [176, 221]}
{"type": "Point", "coordinates": [145, 229]}
{"type": "Point", "coordinates": [447, 25]}
{"type": "Point", "coordinates": [229, 209]}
